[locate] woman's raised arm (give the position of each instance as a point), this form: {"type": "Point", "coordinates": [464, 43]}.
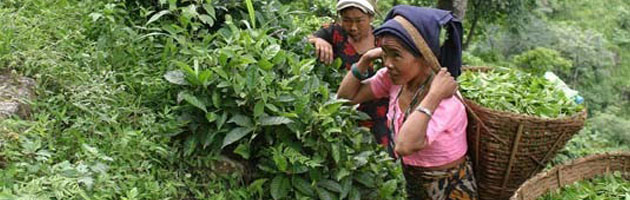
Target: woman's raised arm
{"type": "Point", "coordinates": [352, 87]}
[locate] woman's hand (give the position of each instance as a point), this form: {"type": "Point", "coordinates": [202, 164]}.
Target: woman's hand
{"type": "Point", "coordinates": [323, 50]}
{"type": "Point", "coordinates": [352, 88]}
{"type": "Point", "coordinates": [368, 57]}
{"type": "Point", "coordinates": [443, 85]}
{"type": "Point", "coordinates": [373, 54]}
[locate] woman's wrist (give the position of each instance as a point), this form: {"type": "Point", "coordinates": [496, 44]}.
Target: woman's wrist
{"type": "Point", "coordinates": [357, 73]}
{"type": "Point", "coordinates": [430, 102]}
{"type": "Point", "coordinates": [363, 64]}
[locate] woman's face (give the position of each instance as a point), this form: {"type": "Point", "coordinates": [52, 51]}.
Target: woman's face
{"type": "Point", "coordinates": [402, 65]}
{"type": "Point", "coordinates": [355, 22]}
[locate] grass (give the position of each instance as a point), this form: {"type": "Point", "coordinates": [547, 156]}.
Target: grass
{"type": "Point", "coordinates": [100, 120]}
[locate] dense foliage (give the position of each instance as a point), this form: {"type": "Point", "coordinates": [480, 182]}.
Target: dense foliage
{"type": "Point", "coordinates": [541, 60]}
{"type": "Point", "coordinates": [98, 125]}
{"type": "Point", "coordinates": [260, 100]}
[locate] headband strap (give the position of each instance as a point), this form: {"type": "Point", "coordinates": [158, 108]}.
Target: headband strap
{"type": "Point", "coordinates": [420, 43]}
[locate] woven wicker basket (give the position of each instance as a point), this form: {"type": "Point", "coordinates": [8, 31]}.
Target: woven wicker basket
{"type": "Point", "coordinates": [577, 170]}
{"type": "Point", "coordinates": [508, 148]}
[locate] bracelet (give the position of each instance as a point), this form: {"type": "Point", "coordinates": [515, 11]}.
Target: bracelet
{"type": "Point", "coordinates": [357, 74]}
{"type": "Point", "coordinates": [424, 110]}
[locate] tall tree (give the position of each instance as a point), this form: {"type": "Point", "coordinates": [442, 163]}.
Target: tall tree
{"type": "Point", "coordinates": [512, 12]}
{"type": "Point", "coordinates": [458, 7]}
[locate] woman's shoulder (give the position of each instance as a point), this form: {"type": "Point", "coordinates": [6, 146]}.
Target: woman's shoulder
{"type": "Point", "coordinates": [450, 113]}
{"type": "Point", "coordinates": [451, 106]}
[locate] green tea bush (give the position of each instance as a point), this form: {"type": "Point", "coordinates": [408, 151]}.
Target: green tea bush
{"type": "Point", "coordinates": [587, 141]}
{"type": "Point", "coordinates": [540, 60]}
{"type": "Point", "coordinates": [471, 60]}
{"type": "Point", "coordinates": [257, 96]}
{"type": "Point", "coordinates": [612, 125]}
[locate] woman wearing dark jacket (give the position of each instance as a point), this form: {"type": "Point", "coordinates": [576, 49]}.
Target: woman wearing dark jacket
{"type": "Point", "coordinates": [349, 39]}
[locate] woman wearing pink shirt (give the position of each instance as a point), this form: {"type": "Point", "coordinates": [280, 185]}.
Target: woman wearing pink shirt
{"type": "Point", "coordinates": [427, 120]}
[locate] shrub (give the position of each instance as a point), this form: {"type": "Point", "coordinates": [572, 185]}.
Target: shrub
{"type": "Point", "coordinates": [540, 60]}
{"type": "Point", "coordinates": [261, 99]}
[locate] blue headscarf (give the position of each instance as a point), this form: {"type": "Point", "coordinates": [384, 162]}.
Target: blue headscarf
{"type": "Point", "coordinates": [428, 22]}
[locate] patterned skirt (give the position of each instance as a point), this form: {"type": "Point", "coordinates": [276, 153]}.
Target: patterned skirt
{"type": "Point", "coordinates": [457, 183]}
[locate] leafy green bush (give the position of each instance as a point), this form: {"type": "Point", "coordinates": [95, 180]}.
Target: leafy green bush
{"type": "Point", "coordinates": [540, 60]}
{"type": "Point", "coordinates": [260, 99]}
{"type": "Point", "coordinates": [318, 8]}
{"type": "Point", "coordinates": [586, 142]}
{"type": "Point", "coordinates": [604, 131]}
{"type": "Point", "coordinates": [608, 123]}
{"type": "Point", "coordinates": [471, 60]}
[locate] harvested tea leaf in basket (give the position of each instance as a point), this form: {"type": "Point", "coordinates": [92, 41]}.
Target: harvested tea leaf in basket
{"type": "Point", "coordinates": [610, 186]}
{"type": "Point", "coordinates": [515, 91]}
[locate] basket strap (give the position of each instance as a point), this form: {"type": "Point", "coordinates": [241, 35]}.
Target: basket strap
{"type": "Point", "coordinates": [419, 41]}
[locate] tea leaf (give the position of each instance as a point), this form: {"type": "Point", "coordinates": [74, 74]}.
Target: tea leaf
{"type": "Point", "coordinates": [280, 186]}
{"type": "Point", "coordinates": [235, 135]}
{"type": "Point", "coordinates": [277, 120]}
{"type": "Point", "coordinates": [157, 16]}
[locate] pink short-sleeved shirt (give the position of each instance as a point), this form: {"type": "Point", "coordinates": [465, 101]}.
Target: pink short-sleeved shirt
{"type": "Point", "coordinates": [446, 131]}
